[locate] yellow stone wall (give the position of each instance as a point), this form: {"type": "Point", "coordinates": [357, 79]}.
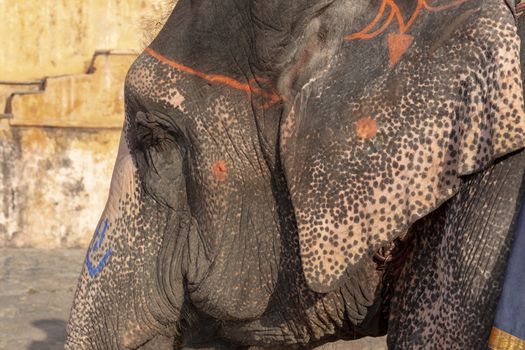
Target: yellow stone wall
{"type": "Point", "coordinates": [93, 100]}
{"type": "Point", "coordinates": [62, 70]}
{"type": "Point", "coordinates": [56, 37]}
{"type": "Point", "coordinates": [57, 184]}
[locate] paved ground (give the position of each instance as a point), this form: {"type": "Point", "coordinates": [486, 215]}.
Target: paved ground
{"type": "Point", "coordinates": [36, 291]}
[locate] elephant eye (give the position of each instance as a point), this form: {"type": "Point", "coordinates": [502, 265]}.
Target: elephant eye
{"type": "Point", "coordinates": [157, 149]}
{"type": "Point", "coordinates": [156, 131]}
{"type": "Point", "coordinates": [155, 136]}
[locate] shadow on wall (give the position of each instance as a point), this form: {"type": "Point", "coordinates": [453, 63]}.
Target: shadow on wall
{"type": "Point", "coordinates": [55, 330]}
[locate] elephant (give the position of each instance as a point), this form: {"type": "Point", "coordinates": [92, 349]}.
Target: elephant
{"type": "Point", "coordinates": [296, 172]}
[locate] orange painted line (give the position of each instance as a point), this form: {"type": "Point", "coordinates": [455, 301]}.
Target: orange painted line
{"type": "Point", "coordinates": [363, 34]}
{"type": "Point", "coordinates": [395, 11]}
{"type": "Point", "coordinates": [273, 97]}
{"type": "Point", "coordinates": [403, 27]}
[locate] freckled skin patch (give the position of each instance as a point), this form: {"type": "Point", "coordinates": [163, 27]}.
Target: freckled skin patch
{"type": "Point", "coordinates": [366, 128]}
{"type": "Point", "coordinates": [438, 130]}
{"type": "Point", "coordinates": [220, 170]}
{"type": "Point", "coordinates": [436, 303]}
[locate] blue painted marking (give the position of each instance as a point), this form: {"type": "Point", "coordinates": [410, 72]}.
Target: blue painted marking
{"type": "Point", "coordinates": [98, 241]}
{"type": "Point", "coordinates": [94, 270]}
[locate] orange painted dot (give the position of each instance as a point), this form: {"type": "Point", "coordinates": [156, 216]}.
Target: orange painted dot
{"type": "Point", "coordinates": [366, 128]}
{"type": "Point", "coordinates": [219, 170]}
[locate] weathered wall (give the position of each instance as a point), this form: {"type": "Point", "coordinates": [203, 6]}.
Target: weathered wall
{"type": "Point", "coordinates": [57, 182]}
{"type": "Point", "coordinates": [59, 135]}
{"type": "Point", "coordinates": [56, 37]}
{"type": "Point", "coordinates": [92, 100]}
{"type": "Point", "coordinates": [58, 151]}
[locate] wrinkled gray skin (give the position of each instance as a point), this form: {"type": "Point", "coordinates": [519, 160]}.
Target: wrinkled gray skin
{"type": "Point", "coordinates": [229, 219]}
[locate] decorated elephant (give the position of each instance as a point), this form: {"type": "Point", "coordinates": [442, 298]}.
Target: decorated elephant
{"type": "Point", "coordinates": [296, 172]}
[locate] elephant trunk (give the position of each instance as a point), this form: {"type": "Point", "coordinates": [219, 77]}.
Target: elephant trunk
{"type": "Point", "coordinates": [120, 302]}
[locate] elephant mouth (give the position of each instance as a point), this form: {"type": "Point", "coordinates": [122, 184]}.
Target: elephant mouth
{"type": "Point", "coordinates": [390, 261]}
{"type": "Point", "coordinates": [392, 257]}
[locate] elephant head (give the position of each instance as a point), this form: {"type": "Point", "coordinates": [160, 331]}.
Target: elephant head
{"type": "Point", "coordinates": [272, 148]}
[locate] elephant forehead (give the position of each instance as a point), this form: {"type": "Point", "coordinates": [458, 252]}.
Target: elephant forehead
{"type": "Point", "coordinates": [150, 80]}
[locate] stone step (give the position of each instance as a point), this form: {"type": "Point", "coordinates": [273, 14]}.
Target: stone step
{"type": "Point", "coordinates": [90, 100]}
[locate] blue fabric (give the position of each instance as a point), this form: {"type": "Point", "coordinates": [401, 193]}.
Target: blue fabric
{"type": "Point", "coordinates": [510, 317]}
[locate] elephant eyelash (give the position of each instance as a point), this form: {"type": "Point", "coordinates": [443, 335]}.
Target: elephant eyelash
{"type": "Point", "coordinates": [152, 139]}
{"type": "Point", "coordinates": [158, 145]}
{"type": "Point", "coordinates": [157, 131]}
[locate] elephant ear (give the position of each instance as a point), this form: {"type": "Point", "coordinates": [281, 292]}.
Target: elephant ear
{"type": "Point", "coordinates": [369, 148]}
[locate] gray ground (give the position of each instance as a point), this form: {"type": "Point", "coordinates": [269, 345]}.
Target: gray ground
{"type": "Point", "coordinates": [36, 291]}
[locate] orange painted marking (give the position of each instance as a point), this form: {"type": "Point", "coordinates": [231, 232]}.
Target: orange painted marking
{"type": "Point", "coordinates": [366, 128]}
{"type": "Point", "coordinates": [271, 98]}
{"type": "Point", "coordinates": [220, 170]}
{"type": "Point", "coordinates": [398, 44]}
